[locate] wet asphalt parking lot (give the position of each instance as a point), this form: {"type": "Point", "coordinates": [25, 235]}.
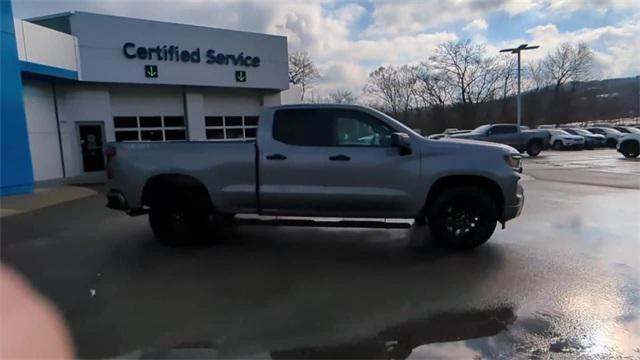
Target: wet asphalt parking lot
{"type": "Point", "coordinates": [561, 281]}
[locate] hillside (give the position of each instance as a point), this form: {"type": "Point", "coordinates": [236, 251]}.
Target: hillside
{"type": "Point", "coordinates": [575, 102]}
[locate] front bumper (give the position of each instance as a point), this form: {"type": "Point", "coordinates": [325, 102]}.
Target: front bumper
{"type": "Point", "coordinates": [514, 210]}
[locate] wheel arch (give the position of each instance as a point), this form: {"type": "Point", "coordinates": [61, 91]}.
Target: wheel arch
{"type": "Point", "coordinates": [157, 186]}
{"type": "Point", "coordinates": [479, 181]}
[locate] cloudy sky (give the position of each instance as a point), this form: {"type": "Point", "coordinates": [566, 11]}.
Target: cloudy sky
{"type": "Point", "coordinates": [347, 39]}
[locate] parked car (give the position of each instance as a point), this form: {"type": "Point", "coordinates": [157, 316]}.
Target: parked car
{"type": "Point", "coordinates": [612, 135]}
{"type": "Point", "coordinates": [591, 140]}
{"type": "Point", "coordinates": [307, 161]}
{"type": "Point", "coordinates": [561, 140]}
{"type": "Point", "coordinates": [447, 133]}
{"type": "Point", "coordinates": [531, 141]}
{"type": "Point", "coordinates": [629, 145]}
{"type": "Point", "coordinates": [436, 136]}
{"type": "Point", "coordinates": [547, 126]}
{"type": "Point", "coordinates": [627, 129]}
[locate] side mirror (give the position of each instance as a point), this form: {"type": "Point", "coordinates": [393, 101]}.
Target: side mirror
{"type": "Point", "coordinates": [402, 142]}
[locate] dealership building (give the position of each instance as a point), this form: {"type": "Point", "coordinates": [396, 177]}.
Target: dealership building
{"type": "Point", "coordinates": [88, 79]}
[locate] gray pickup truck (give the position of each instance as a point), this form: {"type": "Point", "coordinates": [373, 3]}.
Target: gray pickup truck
{"type": "Point", "coordinates": [318, 161]}
{"type": "Point", "coordinates": [531, 141]}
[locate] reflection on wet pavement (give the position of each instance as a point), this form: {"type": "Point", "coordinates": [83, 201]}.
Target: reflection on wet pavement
{"type": "Point", "coordinates": [607, 160]}
{"type": "Point", "coordinates": [398, 342]}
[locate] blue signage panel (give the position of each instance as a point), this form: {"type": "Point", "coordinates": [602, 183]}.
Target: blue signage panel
{"type": "Point", "coordinates": [16, 173]}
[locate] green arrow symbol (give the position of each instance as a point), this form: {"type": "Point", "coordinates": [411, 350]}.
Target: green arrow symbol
{"type": "Point", "coordinates": [151, 71]}
{"type": "Point", "coordinates": [241, 76]}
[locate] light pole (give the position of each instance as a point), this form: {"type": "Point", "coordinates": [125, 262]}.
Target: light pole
{"type": "Point", "coordinates": [517, 51]}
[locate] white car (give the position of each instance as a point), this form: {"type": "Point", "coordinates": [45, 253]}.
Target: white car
{"type": "Point", "coordinates": [627, 129]}
{"type": "Point", "coordinates": [561, 139]}
{"type": "Point", "coordinates": [629, 145]}
{"type": "Point", "coordinates": [611, 134]}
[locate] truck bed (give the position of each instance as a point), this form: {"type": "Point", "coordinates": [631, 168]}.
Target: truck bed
{"type": "Point", "coordinates": [137, 162]}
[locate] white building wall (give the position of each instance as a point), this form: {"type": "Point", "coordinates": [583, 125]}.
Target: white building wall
{"type": "Point", "coordinates": [194, 102]}
{"type": "Point", "coordinates": [43, 131]}
{"type": "Point", "coordinates": [141, 100]}
{"type": "Point", "coordinates": [231, 102]}
{"type": "Point", "coordinates": [77, 103]}
{"type": "Point", "coordinates": [272, 99]}
{"type": "Point", "coordinates": [41, 45]}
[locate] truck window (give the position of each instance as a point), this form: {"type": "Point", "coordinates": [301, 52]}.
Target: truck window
{"type": "Point", "coordinates": [354, 128]}
{"type": "Point", "coordinates": [503, 129]}
{"type": "Point", "coordinates": [303, 127]}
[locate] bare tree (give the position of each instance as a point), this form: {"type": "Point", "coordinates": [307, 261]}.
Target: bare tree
{"type": "Point", "coordinates": [486, 82]}
{"type": "Point", "coordinates": [507, 68]}
{"type": "Point", "coordinates": [459, 61]}
{"type": "Point", "coordinates": [393, 87]}
{"type": "Point", "coordinates": [535, 76]}
{"type": "Point", "coordinates": [432, 88]}
{"type": "Point", "coordinates": [568, 63]}
{"type": "Point", "coordinates": [302, 71]}
{"type": "Point", "coordinates": [475, 77]}
{"type": "Point", "coordinates": [342, 97]}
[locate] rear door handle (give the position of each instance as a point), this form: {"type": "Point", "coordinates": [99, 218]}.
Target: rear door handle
{"type": "Point", "coordinates": [276, 157]}
{"type": "Point", "coordinates": [339, 158]}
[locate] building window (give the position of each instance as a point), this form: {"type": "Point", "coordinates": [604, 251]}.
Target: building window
{"type": "Point", "coordinates": [149, 128]}
{"type": "Point", "coordinates": [231, 127]}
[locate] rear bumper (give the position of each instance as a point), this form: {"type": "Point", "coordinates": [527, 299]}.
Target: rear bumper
{"type": "Point", "coordinates": [117, 201]}
{"type": "Point", "coordinates": [514, 210]}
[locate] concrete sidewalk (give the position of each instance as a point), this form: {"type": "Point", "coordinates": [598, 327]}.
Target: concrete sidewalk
{"type": "Point", "coordinates": [42, 197]}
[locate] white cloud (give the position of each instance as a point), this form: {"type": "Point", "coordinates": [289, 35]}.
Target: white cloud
{"type": "Point", "coordinates": [407, 16]}
{"type": "Point", "coordinates": [476, 25]}
{"type": "Point", "coordinates": [601, 6]}
{"type": "Point", "coordinates": [615, 47]}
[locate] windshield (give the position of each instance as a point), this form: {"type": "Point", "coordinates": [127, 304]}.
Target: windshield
{"type": "Point", "coordinates": [480, 130]}
{"type": "Point", "coordinates": [399, 126]}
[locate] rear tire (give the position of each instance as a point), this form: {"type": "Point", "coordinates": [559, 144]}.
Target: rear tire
{"type": "Point", "coordinates": [611, 143]}
{"type": "Point", "coordinates": [462, 217]}
{"type": "Point", "coordinates": [179, 220]}
{"type": "Point", "coordinates": [557, 145]}
{"type": "Point", "coordinates": [630, 149]}
{"type": "Point", "coordinates": [534, 148]}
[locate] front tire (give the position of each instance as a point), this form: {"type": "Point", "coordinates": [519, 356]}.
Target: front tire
{"type": "Point", "coordinates": [630, 149]}
{"type": "Point", "coordinates": [178, 221]}
{"type": "Point", "coordinates": [463, 217]}
{"type": "Point", "coordinates": [534, 148]}
{"type": "Point", "coordinates": [557, 145]}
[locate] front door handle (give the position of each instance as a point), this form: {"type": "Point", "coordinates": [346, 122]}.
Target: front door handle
{"type": "Point", "coordinates": [276, 157]}
{"type": "Point", "coordinates": [339, 158]}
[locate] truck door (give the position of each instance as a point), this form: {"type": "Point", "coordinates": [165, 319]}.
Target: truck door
{"type": "Point", "coordinates": [505, 134]}
{"type": "Point", "coordinates": [366, 176]}
{"type": "Point", "coordinates": [291, 164]}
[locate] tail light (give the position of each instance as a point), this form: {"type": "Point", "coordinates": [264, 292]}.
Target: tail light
{"type": "Point", "coordinates": [110, 153]}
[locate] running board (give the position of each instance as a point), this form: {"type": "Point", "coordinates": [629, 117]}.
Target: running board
{"type": "Point", "coordinates": [344, 223]}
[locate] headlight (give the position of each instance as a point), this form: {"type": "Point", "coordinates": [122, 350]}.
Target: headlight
{"type": "Point", "coordinates": [514, 161]}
